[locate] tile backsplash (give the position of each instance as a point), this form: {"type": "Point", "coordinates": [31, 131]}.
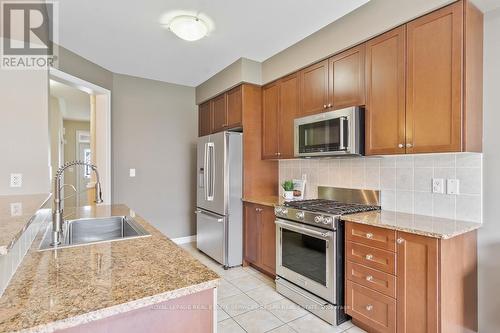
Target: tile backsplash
{"type": "Point", "coordinates": [405, 181]}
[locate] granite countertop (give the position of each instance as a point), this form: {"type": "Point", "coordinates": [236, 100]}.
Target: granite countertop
{"type": "Point", "coordinates": [266, 200]}
{"type": "Point", "coordinates": [63, 288]}
{"type": "Point", "coordinates": [12, 225]}
{"type": "Point", "coordinates": [416, 224]}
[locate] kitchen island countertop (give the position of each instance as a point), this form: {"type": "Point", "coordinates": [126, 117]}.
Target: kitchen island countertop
{"type": "Point", "coordinates": [63, 288]}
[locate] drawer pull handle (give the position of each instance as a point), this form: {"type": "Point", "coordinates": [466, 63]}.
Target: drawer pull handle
{"type": "Point", "coordinates": [369, 307]}
{"type": "Point", "coordinates": [369, 256]}
{"type": "Point", "coordinates": [369, 278]}
{"type": "Point", "coordinates": [369, 235]}
{"type": "Point", "coordinates": [400, 240]}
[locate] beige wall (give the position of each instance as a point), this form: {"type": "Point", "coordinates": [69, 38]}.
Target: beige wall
{"type": "Point", "coordinates": [489, 234]}
{"type": "Point", "coordinates": [367, 21]}
{"type": "Point", "coordinates": [24, 139]}
{"type": "Point", "coordinates": [242, 70]}
{"type": "Point", "coordinates": [72, 63]}
{"type": "Point", "coordinates": [154, 130]}
{"type": "Point", "coordinates": [70, 154]}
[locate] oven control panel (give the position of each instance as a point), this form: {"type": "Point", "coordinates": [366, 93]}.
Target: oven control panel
{"type": "Point", "coordinates": [307, 217]}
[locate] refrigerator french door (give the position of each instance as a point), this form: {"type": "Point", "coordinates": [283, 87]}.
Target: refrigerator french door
{"type": "Point", "coordinates": [219, 218]}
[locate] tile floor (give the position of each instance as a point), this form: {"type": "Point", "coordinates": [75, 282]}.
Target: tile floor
{"type": "Point", "coordinates": [247, 302]}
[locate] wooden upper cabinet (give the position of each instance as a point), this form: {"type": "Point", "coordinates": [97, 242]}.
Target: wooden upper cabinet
{"type": "Point", "coordinates": [417, 284]}
{"type": "Point", "coordinates": [219, 108]}
{"type": "Point", "coordinates": [385, 93]}
{"type": "Point", "coordinates": [270, 120]}
{"type": "Point", "coordinates": [314, 88]}
{"type": "Point", "coordinates": [234, 107]}
{"type": "Point", "coordinates": [347, 78]}
{"type": "Point", "coordinates": [434, 82]}
{"type": "Point", "coordinates": [289, 109]}
{"type": "Point", "coordinates": [205, 119]}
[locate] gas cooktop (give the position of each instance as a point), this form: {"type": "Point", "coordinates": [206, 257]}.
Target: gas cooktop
{"type": "Point", "coordinates": [330, 206]}
{"type": "Point", "coordinates": [319, 212]}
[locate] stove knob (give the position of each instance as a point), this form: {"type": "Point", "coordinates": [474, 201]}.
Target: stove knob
{"type": "Point", "coordinates": [318, 219]}
{"type": "Point", "coordinates": [284, 211]}
{"type": "Point", "coordinates": [328, 220]}
{"type": "Point", "coordinates": [278, 210]}
{"type": "Point", "coordinates": [299, 215]}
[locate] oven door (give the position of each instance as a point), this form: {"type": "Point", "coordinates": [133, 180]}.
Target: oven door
{"type": "Point", "coordinates": [326, 134]}
{"type": "Point", "coordinates": [305, 256]}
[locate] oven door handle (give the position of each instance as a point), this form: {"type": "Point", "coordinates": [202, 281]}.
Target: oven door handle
{"type": "Point", "coordinates": [304, 230]}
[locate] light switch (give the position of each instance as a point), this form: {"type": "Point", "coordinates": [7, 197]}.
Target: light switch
{"type": "Point", "coordinates": [16, 209]}
{"type": "Point", "coordinates": [16, 180]}
{"type": "Point", "coordinates": [438, 185]}
{"type": "Point", "coordinates": [453, 186]}
{"type": "Point", "coordinates": [132, 172]}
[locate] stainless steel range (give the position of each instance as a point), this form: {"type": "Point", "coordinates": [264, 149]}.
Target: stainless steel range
{"type": "Point", "coordinates": [310, 249]}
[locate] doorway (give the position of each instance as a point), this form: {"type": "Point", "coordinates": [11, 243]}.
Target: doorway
{"type": "Point", "coordinates": [80, 129]}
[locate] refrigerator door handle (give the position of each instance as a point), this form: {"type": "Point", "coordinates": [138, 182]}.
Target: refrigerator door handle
{"type": "Point", "coordinates": [211, 173]}
{"type": "Point", "coordinates": [205, 173]}
{"type": "Point", "coordinates": [217, 217]}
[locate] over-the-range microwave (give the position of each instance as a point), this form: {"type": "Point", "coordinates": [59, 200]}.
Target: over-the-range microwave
{"type": "Point", "coordinates": [333, 133]}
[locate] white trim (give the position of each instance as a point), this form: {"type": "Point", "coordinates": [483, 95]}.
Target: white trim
{"type": "Point", "coordinates": [184, 240]}
{"type": "Point", "coordinates": [93, 89]}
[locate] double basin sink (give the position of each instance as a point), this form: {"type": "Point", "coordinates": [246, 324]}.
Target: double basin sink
{"type": "Point", "coordinates": [94, 230]}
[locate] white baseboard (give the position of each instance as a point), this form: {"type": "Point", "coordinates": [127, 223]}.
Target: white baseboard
{"type": "Point", "coordinates": [184, 240]}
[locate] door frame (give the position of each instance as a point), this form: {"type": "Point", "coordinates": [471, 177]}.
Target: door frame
{"type": "Point", "coordinates": [103, 133]}
{"type": "Point", "coordinates": [79, 171]}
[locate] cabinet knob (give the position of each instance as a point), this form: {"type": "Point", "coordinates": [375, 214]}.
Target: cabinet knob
{"type": "Point", "coordinates": [369, 235]}
{"type": "Point", "coordinates": [400, 240]}
{"type": "Point", "coordinates": [369, 307]}
{"type": "Point", "coordinates": [409, 145]}
{"type": "Point", "coordinates": [369, 278]}
{"type": "Point", "coordinates": [330, 105]}
{"type": "Point", "coordinates": [324, 106]}
{"type": "Point", "coordinates": [279, 154]}
{"type": "Point", "coordinates": [369, 256]}
{"type": "Point", "coordinates": [400, 145]}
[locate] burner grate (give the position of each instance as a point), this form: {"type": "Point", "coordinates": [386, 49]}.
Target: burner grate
{"type": "Point", "coordinates": [330, 206]}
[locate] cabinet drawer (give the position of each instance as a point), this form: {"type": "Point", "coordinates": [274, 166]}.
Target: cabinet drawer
{"type": "Point", "coordinates": [371, 278]}
{"type": "Point", "coordinates": [371, 257]}
{"type": "Point", "coordinates": [384, 239]}
{"type": "Point", "coordinates": [371, 308]}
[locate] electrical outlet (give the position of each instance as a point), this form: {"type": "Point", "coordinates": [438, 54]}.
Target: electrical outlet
{"type": "Point", "coordinates": [438, 185]}
{"type": "Point", "coordinates": [132, 172]}
{"type": "Point", "coordinates": [16, 209]}
{"type": "Point", "coordinates": [453, 186]}
{"type": "Point", "coordinates": [16, 180]}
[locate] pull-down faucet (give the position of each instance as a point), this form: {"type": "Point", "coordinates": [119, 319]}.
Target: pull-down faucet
{"type": "Point", "coordinates": [57, 210]}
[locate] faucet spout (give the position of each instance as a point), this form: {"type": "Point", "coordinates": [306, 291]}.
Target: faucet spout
{"type": "Point", "coordinates": [57, 210]}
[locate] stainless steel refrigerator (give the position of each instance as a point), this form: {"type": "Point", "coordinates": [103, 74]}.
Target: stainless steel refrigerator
{"type": "Point", "coordinates": [219, 216]}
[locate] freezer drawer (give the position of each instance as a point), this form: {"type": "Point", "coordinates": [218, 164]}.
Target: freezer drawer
{"type": "Point", "coordinates": [210, 234]}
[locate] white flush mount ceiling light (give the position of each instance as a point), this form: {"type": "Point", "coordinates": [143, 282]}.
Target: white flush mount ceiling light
{"type": "Point", "coordinates": [188, 27]}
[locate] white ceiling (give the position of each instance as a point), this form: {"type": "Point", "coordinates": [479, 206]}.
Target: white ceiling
{"type": "Point", "coordinates": [127, 37]}
{"type": "Point", "coordinates": [74, 104]}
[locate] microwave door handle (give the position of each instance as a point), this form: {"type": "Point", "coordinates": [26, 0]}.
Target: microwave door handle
{"type": "Point", "coordinates": [342, 145]}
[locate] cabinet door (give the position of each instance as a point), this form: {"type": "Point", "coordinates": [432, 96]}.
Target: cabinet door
{"type": "Point", "coordinates": [434, 86]}
{"type": "Point", "coordinates": [314, 88]}
{"type": "Point", "coordinates": [289, 109]}
{"type": "Point", "coordinates": [219, 108]}
{"type": "Point", "coordinates": [417, 284]}
{"type": "Point", "coordinates": [270, 120]}
{"type": "Point", "coordinates": [204, 119]}
{"type": "Point", "coordinates": [234, 107]}
{"type": "Point", "coordinates": [385, 93]}
{"type": "Point", "coordinates": [251, 233]}
{"type": "Point", "coordinates": [347, 78]}
{"type": "Point", "coordinates": [268, 240]}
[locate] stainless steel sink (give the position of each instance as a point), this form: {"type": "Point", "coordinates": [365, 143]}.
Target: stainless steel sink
{"type": "Point", "coordinates": [95, 230]}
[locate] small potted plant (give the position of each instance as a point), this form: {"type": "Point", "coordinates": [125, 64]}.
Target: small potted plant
{"type": "Point", "coordinates": [287, 189]}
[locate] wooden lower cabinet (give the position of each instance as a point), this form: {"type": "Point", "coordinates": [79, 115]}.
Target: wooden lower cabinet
{"type": "Point", "coordinates": [259, 237]}
{"type": "Point", "coordinates": [433, 288]}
